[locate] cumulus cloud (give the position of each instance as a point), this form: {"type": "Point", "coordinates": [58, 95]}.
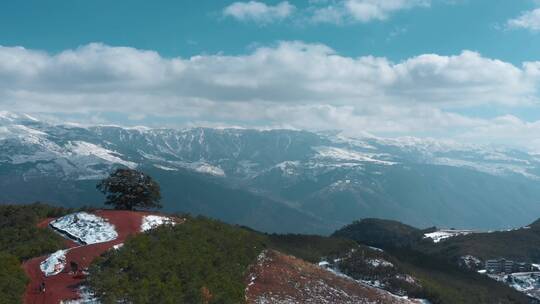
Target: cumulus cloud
{"type": "Point", "coordinates": [291, 84]}
{"type": "Point", "coordinates": [367, 10]}
{"type": "Point", "coordinates": [362, 10]}
{"type": "Point", "coordinates": [258, 11]}
{"type": "Point", "coordinates": [528, 20]}
{"type": "Point", "coordinates": [325, 11]}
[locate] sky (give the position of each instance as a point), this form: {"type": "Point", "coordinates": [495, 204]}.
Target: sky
{"type": "Point", "coordinates": [462, 70]}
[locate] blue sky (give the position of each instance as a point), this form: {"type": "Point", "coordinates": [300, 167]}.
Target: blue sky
{"type": "Point", "coordinates": [466, 70]}
{"type": "Point", "coordinates": [187, 28]}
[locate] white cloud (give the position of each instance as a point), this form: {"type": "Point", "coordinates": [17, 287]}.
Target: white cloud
{"type": "Point", "coordinates": [361, 10]}
{"type": "Point", "coordinates": [326, 11]}
{"type": "Point", "coordinates": [258, 11]}
{"type": "Point", "coordinates": [292, 84]}
{"type": "Point", "coordinates": [528, 20]}
{"type": "Point", "coordinates": [367, 10]}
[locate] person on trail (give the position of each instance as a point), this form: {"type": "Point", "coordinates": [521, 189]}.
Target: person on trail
{"type": "Point", "coordinates": [42, 287]}
{"type": "Point", "coordinates": [74, 267]}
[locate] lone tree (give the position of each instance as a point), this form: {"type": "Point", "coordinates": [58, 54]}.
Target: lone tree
{"type": "Point", "coordinates": [127, 189]}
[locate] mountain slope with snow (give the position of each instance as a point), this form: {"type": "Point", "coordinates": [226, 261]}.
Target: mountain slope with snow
{"type": "Point", "coordinates": [329, 180]}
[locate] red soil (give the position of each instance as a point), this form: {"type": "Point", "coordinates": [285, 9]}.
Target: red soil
{"type": "Point", "coordinates": [279, 278]}
{"type": "Point", "coordinates": [64, 286]}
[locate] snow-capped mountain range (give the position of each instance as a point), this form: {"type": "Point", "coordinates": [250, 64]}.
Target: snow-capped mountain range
{"type": "Point", "coordinates": [332, 178]}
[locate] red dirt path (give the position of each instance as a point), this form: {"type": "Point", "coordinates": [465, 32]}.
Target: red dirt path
{"type": "Point", "coordinates": [64, 286]}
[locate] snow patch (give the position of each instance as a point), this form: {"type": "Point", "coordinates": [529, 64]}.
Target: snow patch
{"type": "Point", "coordinates": [87, 296]}
{"type": "Point", "coordinates": [348, 155]}
{"type": "Point", "coordinates": [525, 282]}
{"type": "Point", "coordinates": [8, 116]}
{"type": "Point", "coordinates": [150, 222]}
{"type": "Point", "coordinates": [86, 228]}
{"type": "Point", "coordinates": [470, 262]}
{"type": "Point", "coordinates": [288, 167]}
{"type": "Point", "coordinates": [441, 235]}
{"type": "Point", "coordinates": [209, 169]}
{"type": "Point", "coordinates": [28, 130]}
{"type": "Point", "coordinates": [88, 149]}
{"type": "Point", "coordinates": [165, 168]}
{"type": "Point", "coordinates": [54, 264]}
{"type": "Point", "coordinates": [379, 263]}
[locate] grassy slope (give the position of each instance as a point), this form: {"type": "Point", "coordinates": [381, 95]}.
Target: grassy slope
{"type": "Point", "coordinates": [309, 247]}
{"type": "Point", "coordinates": [21, 239]}
{"type": "Point", "coordinates": [200, 261]}
{"type": "Point", "coordinates": [207, 258]}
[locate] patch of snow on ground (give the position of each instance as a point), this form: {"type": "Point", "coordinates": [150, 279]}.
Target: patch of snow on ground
{"type": "Point", "coordinates": [86, 297]}
{"type": "Point", "coordinates": [86, 149]}
{"type": "Point", "coordinates": [441, 235]}
{"type": "Point", "coordinates": [376, 284]}
{"type": "Point", "coordinates": [498, 169]}
{"type": "Point", "coordinates": [347, 155]}
{"type": "Point", "coordinates": [379, 263]}
{"type": "Point", "coordinates": [152, 221]}
{"type": "Point", "coordinates": [288, 167]}
{"type": "Point", "coordinates": [525, 282]}
{"type": "Point", "coordinates": [470, 262]}
{"type": "Point", "coordinates": [54, 264]}
{"type": "Point", "coordinates": [85, 227]}
{"type": "Point", "coordinates": [165, 168]}
{"type": "Point", "coordinates": [209, 169]}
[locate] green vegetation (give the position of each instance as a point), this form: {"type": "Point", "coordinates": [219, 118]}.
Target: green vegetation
{"type": "Point", "coordinates": [205, 261]}
{"type": "Point", "coordinates": [19, 234]}
{"type": "Point", "coordinates": [441, 279]}
{"type": "Point", "coordinates": [12, 279]}
{"type": "Point", "coordinates": [129, 189]}
{"type": "Point", "coordinates": [21, 239]}
{"type": "Point", "coordinates": [381, 233]}
{"type": "Point", "coordinates": [309, 247]}
{"type": "Point", "coordinates": [360, 265]}
{"type": "Point", "coordinates": [519, 245]}
{"type": "Point", "coordinates": [444, 282]}
{"type": "Point", "coordinates": [200, 261]}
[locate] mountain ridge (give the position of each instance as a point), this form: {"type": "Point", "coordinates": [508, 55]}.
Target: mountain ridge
{"type": "Point", "coordinates": [323, 176]}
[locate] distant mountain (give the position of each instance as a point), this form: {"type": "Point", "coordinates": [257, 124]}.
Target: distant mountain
{"type": "Point", "coordinates": [519, 244]}
{"type": "Point", "coordinates": [276, 180]}
{"type": "Point", "coordinates": [453, 257]}
{"type": "Point", "coordinates": [381, 233]}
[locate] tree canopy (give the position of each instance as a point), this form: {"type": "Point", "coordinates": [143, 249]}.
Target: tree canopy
{"type": "Point", "coordinates": [128, 189]}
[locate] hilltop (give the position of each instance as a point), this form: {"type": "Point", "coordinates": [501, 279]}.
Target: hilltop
{"type": "Point", "coordinates": [126, 254]}
{"type": "Point", "coordinates": [141, 257]}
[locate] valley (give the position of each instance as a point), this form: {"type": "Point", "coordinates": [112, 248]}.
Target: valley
{"type": "Point", "coordinates": [276, 180]}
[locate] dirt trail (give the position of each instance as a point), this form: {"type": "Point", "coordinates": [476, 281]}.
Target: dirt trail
{"type": "Point", "coordinates": [64, 286]}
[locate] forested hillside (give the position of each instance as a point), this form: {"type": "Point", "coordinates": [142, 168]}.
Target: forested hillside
{"type": "Point", "coordinates": [21, 239]}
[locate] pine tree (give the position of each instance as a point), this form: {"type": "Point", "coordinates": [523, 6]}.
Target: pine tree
{"type": "Point", "coordinates": [127, 189]}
